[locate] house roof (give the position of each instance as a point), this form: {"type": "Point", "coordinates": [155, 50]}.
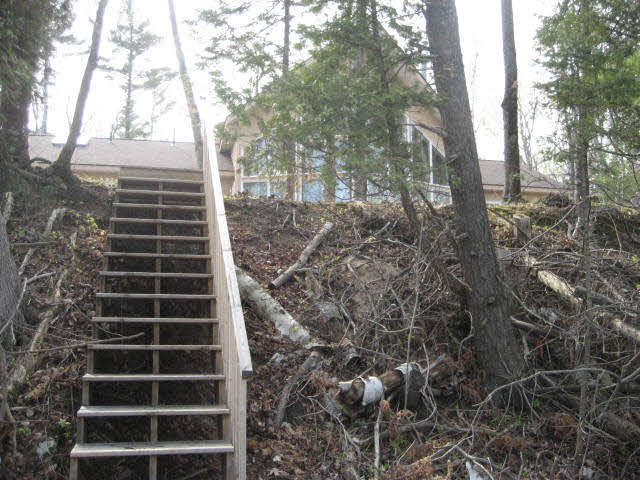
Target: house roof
{"type": "Point", "coordinates": [124, 153]}
{"type": "Point", "coordinates": [493, 175]}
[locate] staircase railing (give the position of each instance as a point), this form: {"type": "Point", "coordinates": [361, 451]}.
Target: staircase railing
{"type": "Point", "coordinates": [233, 335]}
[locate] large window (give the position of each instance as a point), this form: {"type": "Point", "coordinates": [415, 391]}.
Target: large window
{"type": "Point", "coordinates": [256, 163]}
{"type": "Point", "coordinates": [439, 172]}
{"type": "Point", "coordinates": [256, 189]}
{"type": "Point", "coordinates": [424, 152]}
{"type": "Point", "coordinates": [343, 190]}
{"type": "Point", "coordinates": [312, 190]}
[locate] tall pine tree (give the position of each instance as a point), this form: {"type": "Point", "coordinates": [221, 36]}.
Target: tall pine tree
{"type": "Point", "coordinates": [132, 39]}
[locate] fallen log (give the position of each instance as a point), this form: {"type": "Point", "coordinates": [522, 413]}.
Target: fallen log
{"type": "Point", "coordinates": [626, 330]}
{"type": "Point", "coordinates": [304, 256]}
{"type": "Point", "coordinates": [309, 365]}
{"type": "Point", "coordinates": [361, 391]}
{"type": "Point", "coordinates": [23, 368]}
{"type": "Point", "coordinates": [553, 281]}
{"type": "Point", "coordinates": [610, 422]}
{"type": "Point", "coordinates": [575, 296]}
{"type": "Point", "coordinates": [268, 308]}
{"type": "Point", "coordinates": [597, 298]}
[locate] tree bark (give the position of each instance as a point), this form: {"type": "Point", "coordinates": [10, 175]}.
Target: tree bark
{"type": "Point", "coordinates": [495, 341]}
{"type": "Point", "coordinates": [512, 190]}
{"type": "Point", "coordinates": [9, 281]}
{"type": "Point", "coordinates": [46, 80]}
{"type": "Point", "coordinates": [194, 113]}
{"type": "Point", "coordinates": [62, 165]}
{"type": "Point", "coordinates": [14, 117]}
{"type": "Point", "coordinates": [289, 145]}
{"type": "Point", "coordinates": [581, 149]}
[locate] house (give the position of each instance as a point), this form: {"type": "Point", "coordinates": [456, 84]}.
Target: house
{"type": "Point", "coordinates": [255, 181]}
{"type": "Point", "coordinates": [104, 158]}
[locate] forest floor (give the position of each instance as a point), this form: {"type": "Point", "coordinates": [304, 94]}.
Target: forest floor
{"type": "Point", "coordinates": [375, 295]}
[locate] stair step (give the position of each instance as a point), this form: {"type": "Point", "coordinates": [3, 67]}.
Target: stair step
{"type": "Point", "coordinates": [155, 274]}
{"type": "Point", "coordinates": [178, 256]}
{"type": "Point", "coordinates": [161, 180]}
{"type": "Point", "coordinates": [155, 348]}
{"type": "Point", "coordinates": [165, 238]}
{"type": "Point", "coordinates": [186, 321]}
{"type": "Point", "coordinates": [94, 450]}
{"type": "Point", "coordinates": [155, 411]}
{"type": "Point", "coordinates": [161, 221]}
{"type": "Point", "coordinates": [157, 193]}
{"type": "Point", "coordinates": [156, 296]}
{"type": "Point", "coordinates": [151, 377]}
{"type": "Point", "coordinates": [157, 206]}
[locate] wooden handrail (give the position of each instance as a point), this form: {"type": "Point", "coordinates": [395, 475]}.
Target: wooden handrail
{"type": "Point", "coordinates": [233, 335]}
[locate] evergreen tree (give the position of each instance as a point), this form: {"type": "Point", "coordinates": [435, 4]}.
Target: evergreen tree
{"type": "Point", "coordinates": [27, 30]}
{"type": "Point", "coordinates": [345, 106]}
{"type": "Point", "coordinates": [494, 338]}
{"type": "Point", "coordinates": [590, 47]}
{"type": "Point", "coordinates": [243, 35]}
{"type": "Point", "coordinates": [133, 40]}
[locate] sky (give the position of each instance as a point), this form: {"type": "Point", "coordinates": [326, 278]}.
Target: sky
{"type": "Point", "coordinates": [481, 39]}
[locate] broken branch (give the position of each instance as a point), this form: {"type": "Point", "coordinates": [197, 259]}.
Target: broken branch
{"type": "Point", "coordinates": [304, 256]}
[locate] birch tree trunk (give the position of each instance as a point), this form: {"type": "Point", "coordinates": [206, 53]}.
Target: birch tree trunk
{"type": "Point", "coordinates": [62, 165]}
{"type": "Point", "coordinates": [494, 338]}
{"type": "Point", "coordinates": [194, 113]}
{"type": "Point", "coordinates": [510, 107]}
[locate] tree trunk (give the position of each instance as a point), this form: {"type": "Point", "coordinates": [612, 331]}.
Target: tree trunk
{"type": "Point", "coordinates": [581, 150]}
{"type": "Point", "coordinates": [194, 113]}
{"type": "Point", "coordinates": [128, 107]}
{"type": "Point", "coordinates": [495, 341]}
{"type": "Point", "coordinates": [14, 118]}
{"type": "Point", "coordinates": [9, 280]}
{"type": "Point", "coordinates": [289, 145]}
{"type": "Point", "coordinates": [329, 191]}
{"type": "Point", "coordinates": [62, 165]}
{"type": "Point", "coordinates": [359, 187]}
{"type": "Point", "coordinates": [512, 191]}
{"type": "Point", "coordinates": [46, 80]}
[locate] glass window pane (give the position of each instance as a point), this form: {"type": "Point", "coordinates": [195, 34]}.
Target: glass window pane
{"type": "Point", "coordinates": [441, 197]}
{"type": "Point", "coordinates": [343, 192]}
{"type": "Point", "coordinates": [312, 191]}
{"type": "Point", "coordinates": [256, 165]}
{"type": "Point", "coordinates": [255, 189]}
{"type": "Point", "coordinates": [315, 159]}
{"type": "Point", "coordinates": [278, 188]}
{"type": "Point", "coordinates": [374, 194]}
{"type": "Point", "coordinates": [440, 176]}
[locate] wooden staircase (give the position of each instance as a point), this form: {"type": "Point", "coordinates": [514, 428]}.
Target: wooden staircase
{"type": "Point", "coordinates": [169, 290]}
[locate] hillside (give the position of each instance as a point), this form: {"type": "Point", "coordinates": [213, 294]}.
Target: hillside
{"type": "Point", "coordinates": [374, 296]}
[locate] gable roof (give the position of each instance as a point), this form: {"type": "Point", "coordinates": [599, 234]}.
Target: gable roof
{"type": "Point", "coordinates": [493, 175]}
{"type": "Point", "coordinates": [124, 153]}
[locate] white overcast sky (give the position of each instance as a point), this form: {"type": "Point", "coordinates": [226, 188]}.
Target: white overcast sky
{"type": "Point", "coordinates": [481, 36]}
